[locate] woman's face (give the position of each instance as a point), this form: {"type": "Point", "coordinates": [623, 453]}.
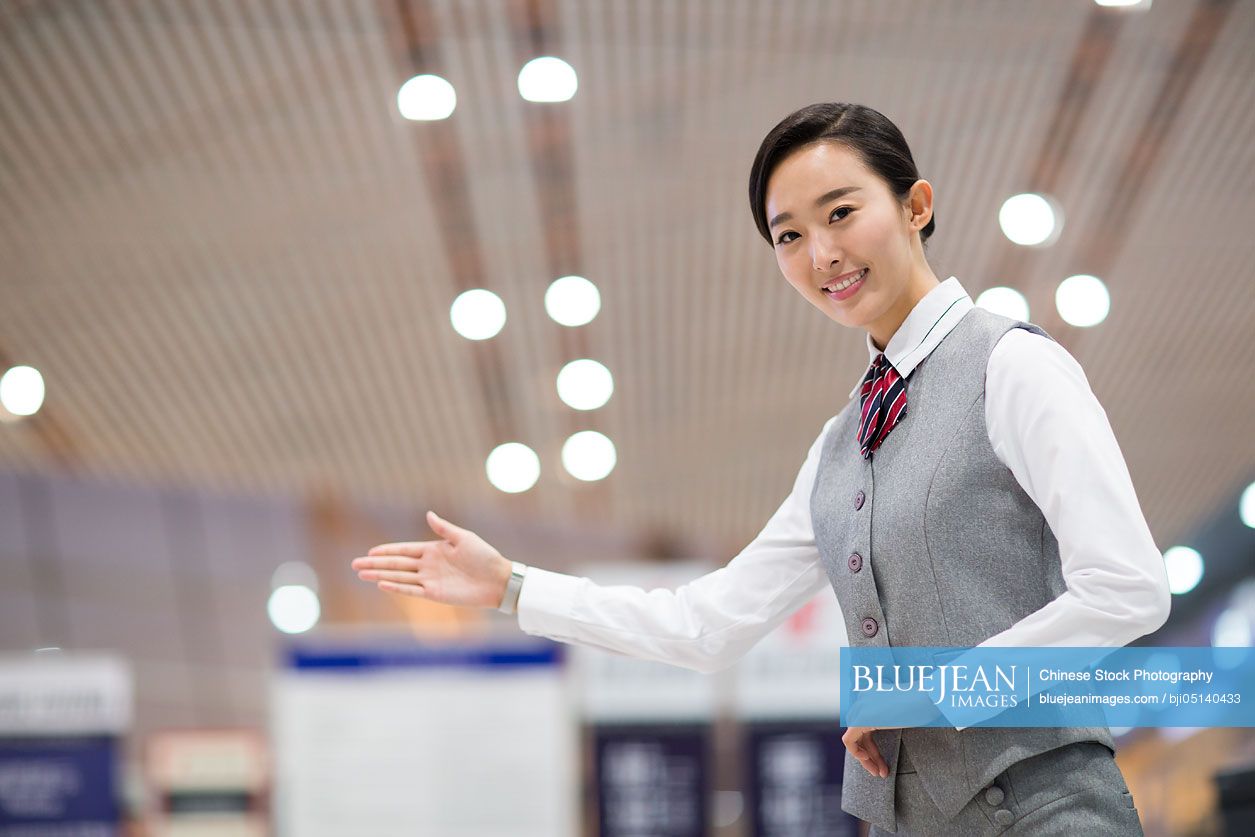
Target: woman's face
{"type": "Point", "coordinates": [840, 217]}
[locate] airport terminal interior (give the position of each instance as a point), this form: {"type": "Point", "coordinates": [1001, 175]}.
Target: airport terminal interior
{"type": "Point", "coordinates": [280, 277]}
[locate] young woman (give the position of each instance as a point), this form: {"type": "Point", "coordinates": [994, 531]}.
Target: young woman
{"type": "Point", "coordinates": [972, 494]}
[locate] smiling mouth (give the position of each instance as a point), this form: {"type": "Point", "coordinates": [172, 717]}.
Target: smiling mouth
{"type": "Point", "coordinates": [840, 286]}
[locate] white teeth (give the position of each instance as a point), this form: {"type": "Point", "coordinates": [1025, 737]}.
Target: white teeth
{"type": "Point", "coordinates": [847, 283]}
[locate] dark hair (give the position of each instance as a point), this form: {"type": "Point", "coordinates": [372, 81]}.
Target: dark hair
{"type": "Point", "coordinates": [866, 132]}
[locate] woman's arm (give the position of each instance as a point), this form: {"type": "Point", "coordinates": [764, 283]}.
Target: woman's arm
{"type": "Point", "coordinates": [1047, 426]}
{"type": "Point", "coordinates": [708, 623]}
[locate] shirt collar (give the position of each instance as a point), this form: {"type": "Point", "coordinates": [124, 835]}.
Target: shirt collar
{"type": "Point", "coordinates": [927, 325]}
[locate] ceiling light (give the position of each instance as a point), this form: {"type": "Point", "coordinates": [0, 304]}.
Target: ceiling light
{"type": "Point", "coordinates": [1082, 300]}
{"type": "Point", "coordinates": [547, 79]}
{"type": "Point", "coordinates": [426, 98]}
{"type": "Point", "coordinates": [477, 314]}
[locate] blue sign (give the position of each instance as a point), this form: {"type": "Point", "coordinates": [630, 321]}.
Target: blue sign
{"type": "Point", "coordinates": [1048, 687]}
{"type": "Point", "coordinates": [414, 656]}
{"type": "Point", "coordinates": [59, 786]}
{"type": "Point", "coordinates": [651, 779]}
{"type": "Point", "coordinates": [794, 771]}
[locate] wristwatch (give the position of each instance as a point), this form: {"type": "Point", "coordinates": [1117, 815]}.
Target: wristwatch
{"type": "Point", "coordinates": [510, 601]}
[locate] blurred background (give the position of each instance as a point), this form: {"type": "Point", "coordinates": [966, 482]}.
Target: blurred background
{"type": "Point", "coordinates": [278, 276]}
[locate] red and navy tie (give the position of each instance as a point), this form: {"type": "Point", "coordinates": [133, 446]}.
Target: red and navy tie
{"type": "Point", "coordinates": [883, 400]}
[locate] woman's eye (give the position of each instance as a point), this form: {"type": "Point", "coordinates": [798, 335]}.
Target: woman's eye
{"type": "Point", "coordinates": [783, 240]}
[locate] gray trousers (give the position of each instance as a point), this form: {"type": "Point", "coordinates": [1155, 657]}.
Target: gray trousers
{"type": "Point", "coordinates": [1076, 789]}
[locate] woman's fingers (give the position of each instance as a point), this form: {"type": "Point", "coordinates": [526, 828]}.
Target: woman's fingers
{"type": "Point", "coordinates": [386, 562]}
{"type": "Point", "coordinates": [445, 529]}
{"type": "Point", "coordinates": [405, 589]}
{"type": "Point", "coordinates": [860, 752]}
{"type": "Point", "coordinates": [389, 575]}
{"type": "Point", "coordinates": [413, 548]}
{"type": "Point", "coordinates": [863, 747]}
{"type": "Point", "coordinates": [879, 768]}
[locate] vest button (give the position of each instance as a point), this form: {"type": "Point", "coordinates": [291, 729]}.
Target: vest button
{"type": "Point", "coordinates": [858, 500]}
{"type": "Point", "coordinates": [856, 562]}
{"type": "Point", "coordinates": [870, 627]}
{"type": "Point", "coordinates": [1003, 817]}
{"type": "Point", "coordinates": [994, 795]}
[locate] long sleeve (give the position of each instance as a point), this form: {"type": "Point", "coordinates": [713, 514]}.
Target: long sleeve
{"type": "Point", "coordinates": [1046, 425]}
{"type": "Point", "coordinates": [708, 623]}
{"type": "Point", "coordinates": [1048, 428]}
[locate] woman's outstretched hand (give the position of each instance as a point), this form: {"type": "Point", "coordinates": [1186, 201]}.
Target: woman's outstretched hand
{"type": "Point", "coordinates": [460, 569]}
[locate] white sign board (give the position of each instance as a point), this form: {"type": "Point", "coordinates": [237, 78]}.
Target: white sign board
{"type": "Point", "coordinates": [59, 693]}
{"type": "Point", "coordinates": [402, 741]}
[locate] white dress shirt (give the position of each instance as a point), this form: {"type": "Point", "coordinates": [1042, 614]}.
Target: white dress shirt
{"type": "Point", "coordinates": [1044, 424]}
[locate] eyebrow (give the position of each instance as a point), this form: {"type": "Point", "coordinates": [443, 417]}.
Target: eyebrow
{"type": "Point", "coordinates": [820, 201]}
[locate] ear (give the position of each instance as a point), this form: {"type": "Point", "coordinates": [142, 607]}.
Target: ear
{"type": "Point", "coordinates": [919, 204]}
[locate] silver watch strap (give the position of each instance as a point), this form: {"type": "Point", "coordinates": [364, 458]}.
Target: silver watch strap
{"type": "Point", "coordinates": [510, 601]}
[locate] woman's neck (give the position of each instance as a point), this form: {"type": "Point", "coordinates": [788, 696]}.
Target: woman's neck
{"type": "Point", "coordinates": [887, 325]}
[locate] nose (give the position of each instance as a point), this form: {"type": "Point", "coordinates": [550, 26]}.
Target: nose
{"type": "Point", "coordinates": [822, 255]}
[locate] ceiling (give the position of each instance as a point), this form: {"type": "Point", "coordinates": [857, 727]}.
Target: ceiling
{"type": "Point", "coordinates": [233, 260]}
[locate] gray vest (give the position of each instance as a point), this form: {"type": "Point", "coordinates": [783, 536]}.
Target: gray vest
{"type": "Point", "coordinates": [932, 542]}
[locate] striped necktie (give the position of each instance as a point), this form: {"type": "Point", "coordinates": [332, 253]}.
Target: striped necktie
{"type": "Point", "coordinates": [883, 400]}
